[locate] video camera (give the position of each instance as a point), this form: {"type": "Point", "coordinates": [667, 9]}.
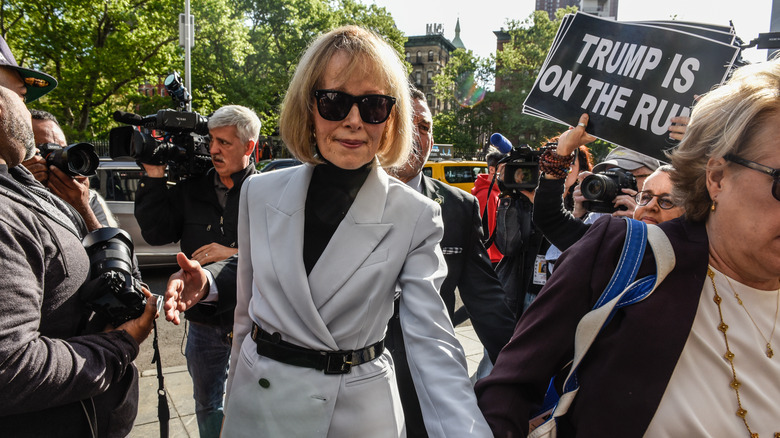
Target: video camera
{"type": "Point", "coordinates": [601, 189]}
{"type": "Point", "coordinates": [521, 170]}
{"type": "Point", "coordinates": [176, 138]}
{"type": "Point", "coordinates": [78, 159]}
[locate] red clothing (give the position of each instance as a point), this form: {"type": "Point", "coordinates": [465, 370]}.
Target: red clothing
{"type": "Point", "coordinates": [480, 190]}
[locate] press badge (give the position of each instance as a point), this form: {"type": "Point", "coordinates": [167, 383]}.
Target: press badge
{"type": "Point", "coordinates": [540, 269]}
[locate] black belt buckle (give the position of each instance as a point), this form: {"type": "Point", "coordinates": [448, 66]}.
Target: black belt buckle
{"type": "Point", "coordinates": [338, 363]}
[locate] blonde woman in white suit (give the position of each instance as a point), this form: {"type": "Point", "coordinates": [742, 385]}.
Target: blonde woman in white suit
{"type": "Point", "coordinates": [324, 249]}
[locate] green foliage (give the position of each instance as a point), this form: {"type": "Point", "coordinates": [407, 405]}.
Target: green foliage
{"type": "Point", "coordinates": [513, 72]}
{"type": "Point", "coordinates": [599, 149]}
{"type": "Point", "coordinates": [96, 50]}
{"type": "Point", "coordinates": [244, 52]}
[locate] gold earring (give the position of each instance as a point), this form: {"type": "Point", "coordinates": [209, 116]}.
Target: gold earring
{"type": "Point", "coordinates": [714, 205]}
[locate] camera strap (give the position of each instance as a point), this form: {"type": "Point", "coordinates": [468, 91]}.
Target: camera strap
{"type": "Point", "coordinates": [163, 412]}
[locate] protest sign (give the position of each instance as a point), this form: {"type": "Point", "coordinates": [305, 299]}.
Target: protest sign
{"type": "Point", "coordinates": [630, 78]}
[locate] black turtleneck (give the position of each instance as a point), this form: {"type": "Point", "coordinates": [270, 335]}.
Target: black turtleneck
{"type": "Point", "coordinates": [332, 191]}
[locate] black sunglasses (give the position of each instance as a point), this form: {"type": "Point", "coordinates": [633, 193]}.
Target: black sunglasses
{"type": "Point", "coordinates": [335, 106]}
{"type": "Point", "coordinates": [774, 173]}
{"type": "Point", "coordinates": [664, 201]}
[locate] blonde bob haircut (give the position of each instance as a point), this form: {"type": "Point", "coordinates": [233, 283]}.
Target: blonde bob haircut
{"type": "Point", "coordinates": [370, 56]}
{"type": "Point", "coordinates": [724, 121]}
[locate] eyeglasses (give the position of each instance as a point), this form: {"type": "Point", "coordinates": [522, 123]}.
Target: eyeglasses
{"type": "Point", "coordinates": [774, 173]}
{"type": "Point", "coordinates": [664, 201]}
{"type": "Point", "coordinates": [335, 106]}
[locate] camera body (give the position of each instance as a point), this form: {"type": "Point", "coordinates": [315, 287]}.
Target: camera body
{"type": "Point", "coordinates": [111, 289]}
{"type": "Point", "coordinates": [521, 170]}
{"type": "Point", "coordinates": [78, 159]}
{"type": "Point", "coordinates": [177, 138]}
{"type": "Point", "coordinates": [601, 189]}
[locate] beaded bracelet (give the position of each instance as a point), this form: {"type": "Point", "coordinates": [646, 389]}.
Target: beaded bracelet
{"type": "Point", "coordinates": [557, 166]}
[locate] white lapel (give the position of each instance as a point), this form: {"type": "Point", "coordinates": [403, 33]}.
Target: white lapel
{"type": "Point", "coordinates": [355, 239]}
{"type": "Point", "coordinates": [285, 222]}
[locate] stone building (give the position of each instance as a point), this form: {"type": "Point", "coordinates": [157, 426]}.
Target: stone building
{"type": "Point", "coordinates": [428, 54]}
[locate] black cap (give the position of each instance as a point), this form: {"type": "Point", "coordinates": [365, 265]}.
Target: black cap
{"type": "Point", "coordinates": [37, 83]}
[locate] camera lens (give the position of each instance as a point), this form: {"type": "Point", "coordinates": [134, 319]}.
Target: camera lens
{"type": "Point", "coordinates": [76, 159]}
{"type": "Point", "coordinates": [81, 159]}
{"type": "Point", "coordinates": [598, 187]}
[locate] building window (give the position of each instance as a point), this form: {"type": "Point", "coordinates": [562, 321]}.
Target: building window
{"type": "Point", "coordinates": [429, 98]}
{"type": "Point", "coordinates": [430, 77]}
{"type": "Point", "coordinates": [408, 57]}
{"type": "Point", "coordinates": [418, 77]}
{"type": "Point", "coordinates": [419, 56]}
{"type": "Point", "coordinates": [430, 55]}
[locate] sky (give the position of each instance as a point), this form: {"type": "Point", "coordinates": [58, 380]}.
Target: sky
{"type": "Point", "coordinates": [479, 18]}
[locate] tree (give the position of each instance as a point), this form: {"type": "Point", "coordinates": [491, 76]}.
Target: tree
{"type": "Point", "coordinates": [518, 65]}
{"type": "Point", "coordinates": [466, 121]}
{"type": "Point", "coordinates": [245, 51]}
{"type": "Point", "coordinates": [86, 46]}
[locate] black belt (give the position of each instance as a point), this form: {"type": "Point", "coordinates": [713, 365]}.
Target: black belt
{"type": "Point", "coordinates": [330, 362]}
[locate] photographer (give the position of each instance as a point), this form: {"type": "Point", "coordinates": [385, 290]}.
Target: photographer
{"type": "Point", "coordinates": [58, 379]}
{"type": "Point", "coordinates": [201, 213]}
{"type": "Point", "coordinates": [489, 201]}
{"type": "Point", "coordinates": [522, 270]}
{"type": "Point", "coordinates": [74, 190]}
{"type": "Point", "coordinates": [561, 227]}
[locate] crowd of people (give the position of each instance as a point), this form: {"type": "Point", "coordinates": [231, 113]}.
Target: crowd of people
{"type": "Point", "coordinates": [321, 297]}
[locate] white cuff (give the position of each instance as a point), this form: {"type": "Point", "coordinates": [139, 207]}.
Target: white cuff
{"type": "Point", "coordinates": [213, 295]}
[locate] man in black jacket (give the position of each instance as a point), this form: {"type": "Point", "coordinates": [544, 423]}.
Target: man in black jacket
{"type": "Point", "coordinates": [468, 266]}
{"type": "Point", "coordinates": [58, 379]}
{"type": "Point", "coordinates": [202, 213]}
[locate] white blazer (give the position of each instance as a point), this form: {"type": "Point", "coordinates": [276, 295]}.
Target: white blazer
{"type": "Point", "coordinates": [388, 239]}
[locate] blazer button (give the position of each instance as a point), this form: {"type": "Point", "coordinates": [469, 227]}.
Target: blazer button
{"type": "Point", "coordinates": [264, 383]}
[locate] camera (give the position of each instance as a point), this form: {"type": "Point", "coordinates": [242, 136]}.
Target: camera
{"type": "Point", "coordinates": [78, 159]}
{"type": "Point", "coordinates": [176, 138]}
{"type": "Point", "coordinates": [601, 189]}
{"type": "Point", "coordinates": [111, 289]}
{"type": "Point", "coordinates": [521, 170]}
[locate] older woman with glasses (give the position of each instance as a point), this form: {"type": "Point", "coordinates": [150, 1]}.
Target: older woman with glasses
{"type": "Point", "coordinates": [696, 358]}
{"type": "Point", "coordinates": [325, 248]}
{"type": "Point", "coordinates": [654, 202]}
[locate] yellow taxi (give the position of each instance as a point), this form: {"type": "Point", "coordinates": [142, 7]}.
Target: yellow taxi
{"type": "Point", "coordinates": [460, 174]}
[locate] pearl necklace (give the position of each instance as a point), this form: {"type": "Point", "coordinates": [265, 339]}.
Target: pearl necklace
{"type": "Point", "coordinates": [735, 383]}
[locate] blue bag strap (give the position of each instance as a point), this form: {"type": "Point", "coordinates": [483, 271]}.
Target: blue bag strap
{"type": "Point", "coordinates": [628, 265]}
{"type": "Point", "coordinates": [594, 321]}
{"type": "Point", "coordinates": [625, 272]}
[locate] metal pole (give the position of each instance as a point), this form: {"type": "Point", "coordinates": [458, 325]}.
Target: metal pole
{"type": "Point", "coordinates": [187, 50]}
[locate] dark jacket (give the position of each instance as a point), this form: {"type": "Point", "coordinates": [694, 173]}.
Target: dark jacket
{"type": "Point", "coordinates": [49, 371]}
{"type": "Point", "coordinates": [557, 223]}
{"type": "Point", "coordinates": [469, 269]}
{"type": "Point", "coordinates": [190, 212]}
{"type": "Point", "coordinates": [628, 367]}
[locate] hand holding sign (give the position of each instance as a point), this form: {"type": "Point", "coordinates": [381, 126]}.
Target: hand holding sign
{"type": "Point", "coordinates": [573, 138]}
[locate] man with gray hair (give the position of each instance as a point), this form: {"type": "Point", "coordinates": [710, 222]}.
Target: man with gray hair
{"type": "Point", "coordinates": [201, 212]}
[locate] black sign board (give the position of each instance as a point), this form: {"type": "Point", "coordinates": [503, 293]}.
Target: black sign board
{"type": "Point", "coordinates": [630, 78]}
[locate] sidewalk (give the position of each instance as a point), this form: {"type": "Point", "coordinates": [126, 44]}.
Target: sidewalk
{"type": "Point", "coordinates": [182, 406]}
